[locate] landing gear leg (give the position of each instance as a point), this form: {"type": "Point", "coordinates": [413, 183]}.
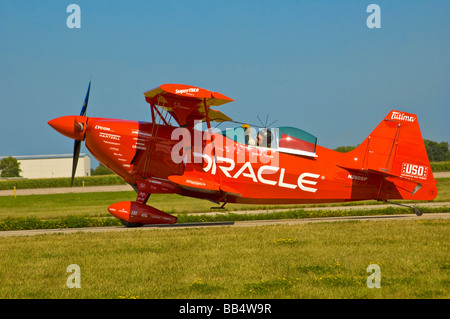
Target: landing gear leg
{"type": "Point", "coordinates": [416, 211]}
{"type": "Point", "coordinates": [220, 207]}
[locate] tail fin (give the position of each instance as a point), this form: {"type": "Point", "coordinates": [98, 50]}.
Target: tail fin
{"type": "Point", "coordinates": [395, 151]}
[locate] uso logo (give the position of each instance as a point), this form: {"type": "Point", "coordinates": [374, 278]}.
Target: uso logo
{"type": "Point", "coordinates": [413, 170]}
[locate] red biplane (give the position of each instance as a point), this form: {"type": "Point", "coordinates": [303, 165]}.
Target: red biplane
{"type": "Point", "coordinates": [282, 165]}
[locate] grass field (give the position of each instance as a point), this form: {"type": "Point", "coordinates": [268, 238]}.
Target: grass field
{"type": "Point", "coordinates": [317, 260]}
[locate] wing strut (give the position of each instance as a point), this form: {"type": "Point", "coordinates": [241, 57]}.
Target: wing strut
{"type": "Point", "coordinates": [153, 109]}
{"type": "Point", "coordinates": [154, 134]}
{"type": "Point", "coordinates": [208, 124]}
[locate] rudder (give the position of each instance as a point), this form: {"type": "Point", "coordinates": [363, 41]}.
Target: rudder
{"type": "Point", "coordinates": [395, 151]}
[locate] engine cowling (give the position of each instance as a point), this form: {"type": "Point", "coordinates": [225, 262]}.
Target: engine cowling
{"type": "Point", "coordinates": [138, 214]}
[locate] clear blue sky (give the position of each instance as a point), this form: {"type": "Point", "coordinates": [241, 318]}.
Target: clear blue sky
{"type": "Point", "coordinates": [309, 64]}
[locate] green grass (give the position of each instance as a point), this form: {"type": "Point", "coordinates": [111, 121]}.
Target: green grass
{"type": "Point", "coordinates": [60, 205]}
{"type": "Point", "coordinates": [61, 182]}
{"type": "Point", "coordinates": [440, 166]}
{"type": "Point", "coordinates": [317, 260]}
{"type": "Point", "coordinates": [443, 186]}
{"type": "Point", "coordinates": [57, 223]}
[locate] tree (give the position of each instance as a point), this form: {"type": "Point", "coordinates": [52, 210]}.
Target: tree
{"type": "Point", "coordinates": [345, 149]}
{"type": "Point", "coordinates": [437, 152]}
{"type": "Point", "coordinates": [10, 167]}
{"type": "Point", "coordinates": [101, 170]}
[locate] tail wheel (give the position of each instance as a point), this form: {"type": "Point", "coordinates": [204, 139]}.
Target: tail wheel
{"type": "Point", "coordinates": [417, 211]}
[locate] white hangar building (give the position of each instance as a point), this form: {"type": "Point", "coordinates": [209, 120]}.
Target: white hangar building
{"type": "Point", "coordinates": [48, 166]}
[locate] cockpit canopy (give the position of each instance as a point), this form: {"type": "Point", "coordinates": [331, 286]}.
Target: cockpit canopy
{"type": "Point", "coordinates": [284, 139]}
{"type": "Point", "coordinates": [296, 141]}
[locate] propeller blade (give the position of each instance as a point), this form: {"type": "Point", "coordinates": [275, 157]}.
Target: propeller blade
{"type": "Point", "coordinates": [86, 100]}
{"type": "Point", "coordinates": [77, 144]}
{"type": "Point", "coordinates": [76, 154]}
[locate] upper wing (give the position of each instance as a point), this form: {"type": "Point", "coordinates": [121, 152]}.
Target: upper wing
{"type": "Point", "coordinates": [188, 103]}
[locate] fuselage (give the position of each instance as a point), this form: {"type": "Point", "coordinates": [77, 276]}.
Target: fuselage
{"type": "Point", "coordinates": [140, 150]}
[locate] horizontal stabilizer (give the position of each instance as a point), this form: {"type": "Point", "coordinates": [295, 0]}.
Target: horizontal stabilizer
{"type": "Point", "coordinates": [409, 185]}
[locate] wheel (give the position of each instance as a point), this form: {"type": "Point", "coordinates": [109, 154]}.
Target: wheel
{"type": "Point", "coordinates": [417, 211]}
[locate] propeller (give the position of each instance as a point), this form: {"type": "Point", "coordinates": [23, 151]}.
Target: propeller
{"type": "Point", "coordinates": [77, 144]}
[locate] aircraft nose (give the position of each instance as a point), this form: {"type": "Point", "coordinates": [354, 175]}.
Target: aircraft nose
{"type": "Point", "coordinates": [73, 126]}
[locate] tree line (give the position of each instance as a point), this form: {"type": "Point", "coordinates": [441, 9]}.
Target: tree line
{"type": "Point", "coordinates": [437, 152]}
